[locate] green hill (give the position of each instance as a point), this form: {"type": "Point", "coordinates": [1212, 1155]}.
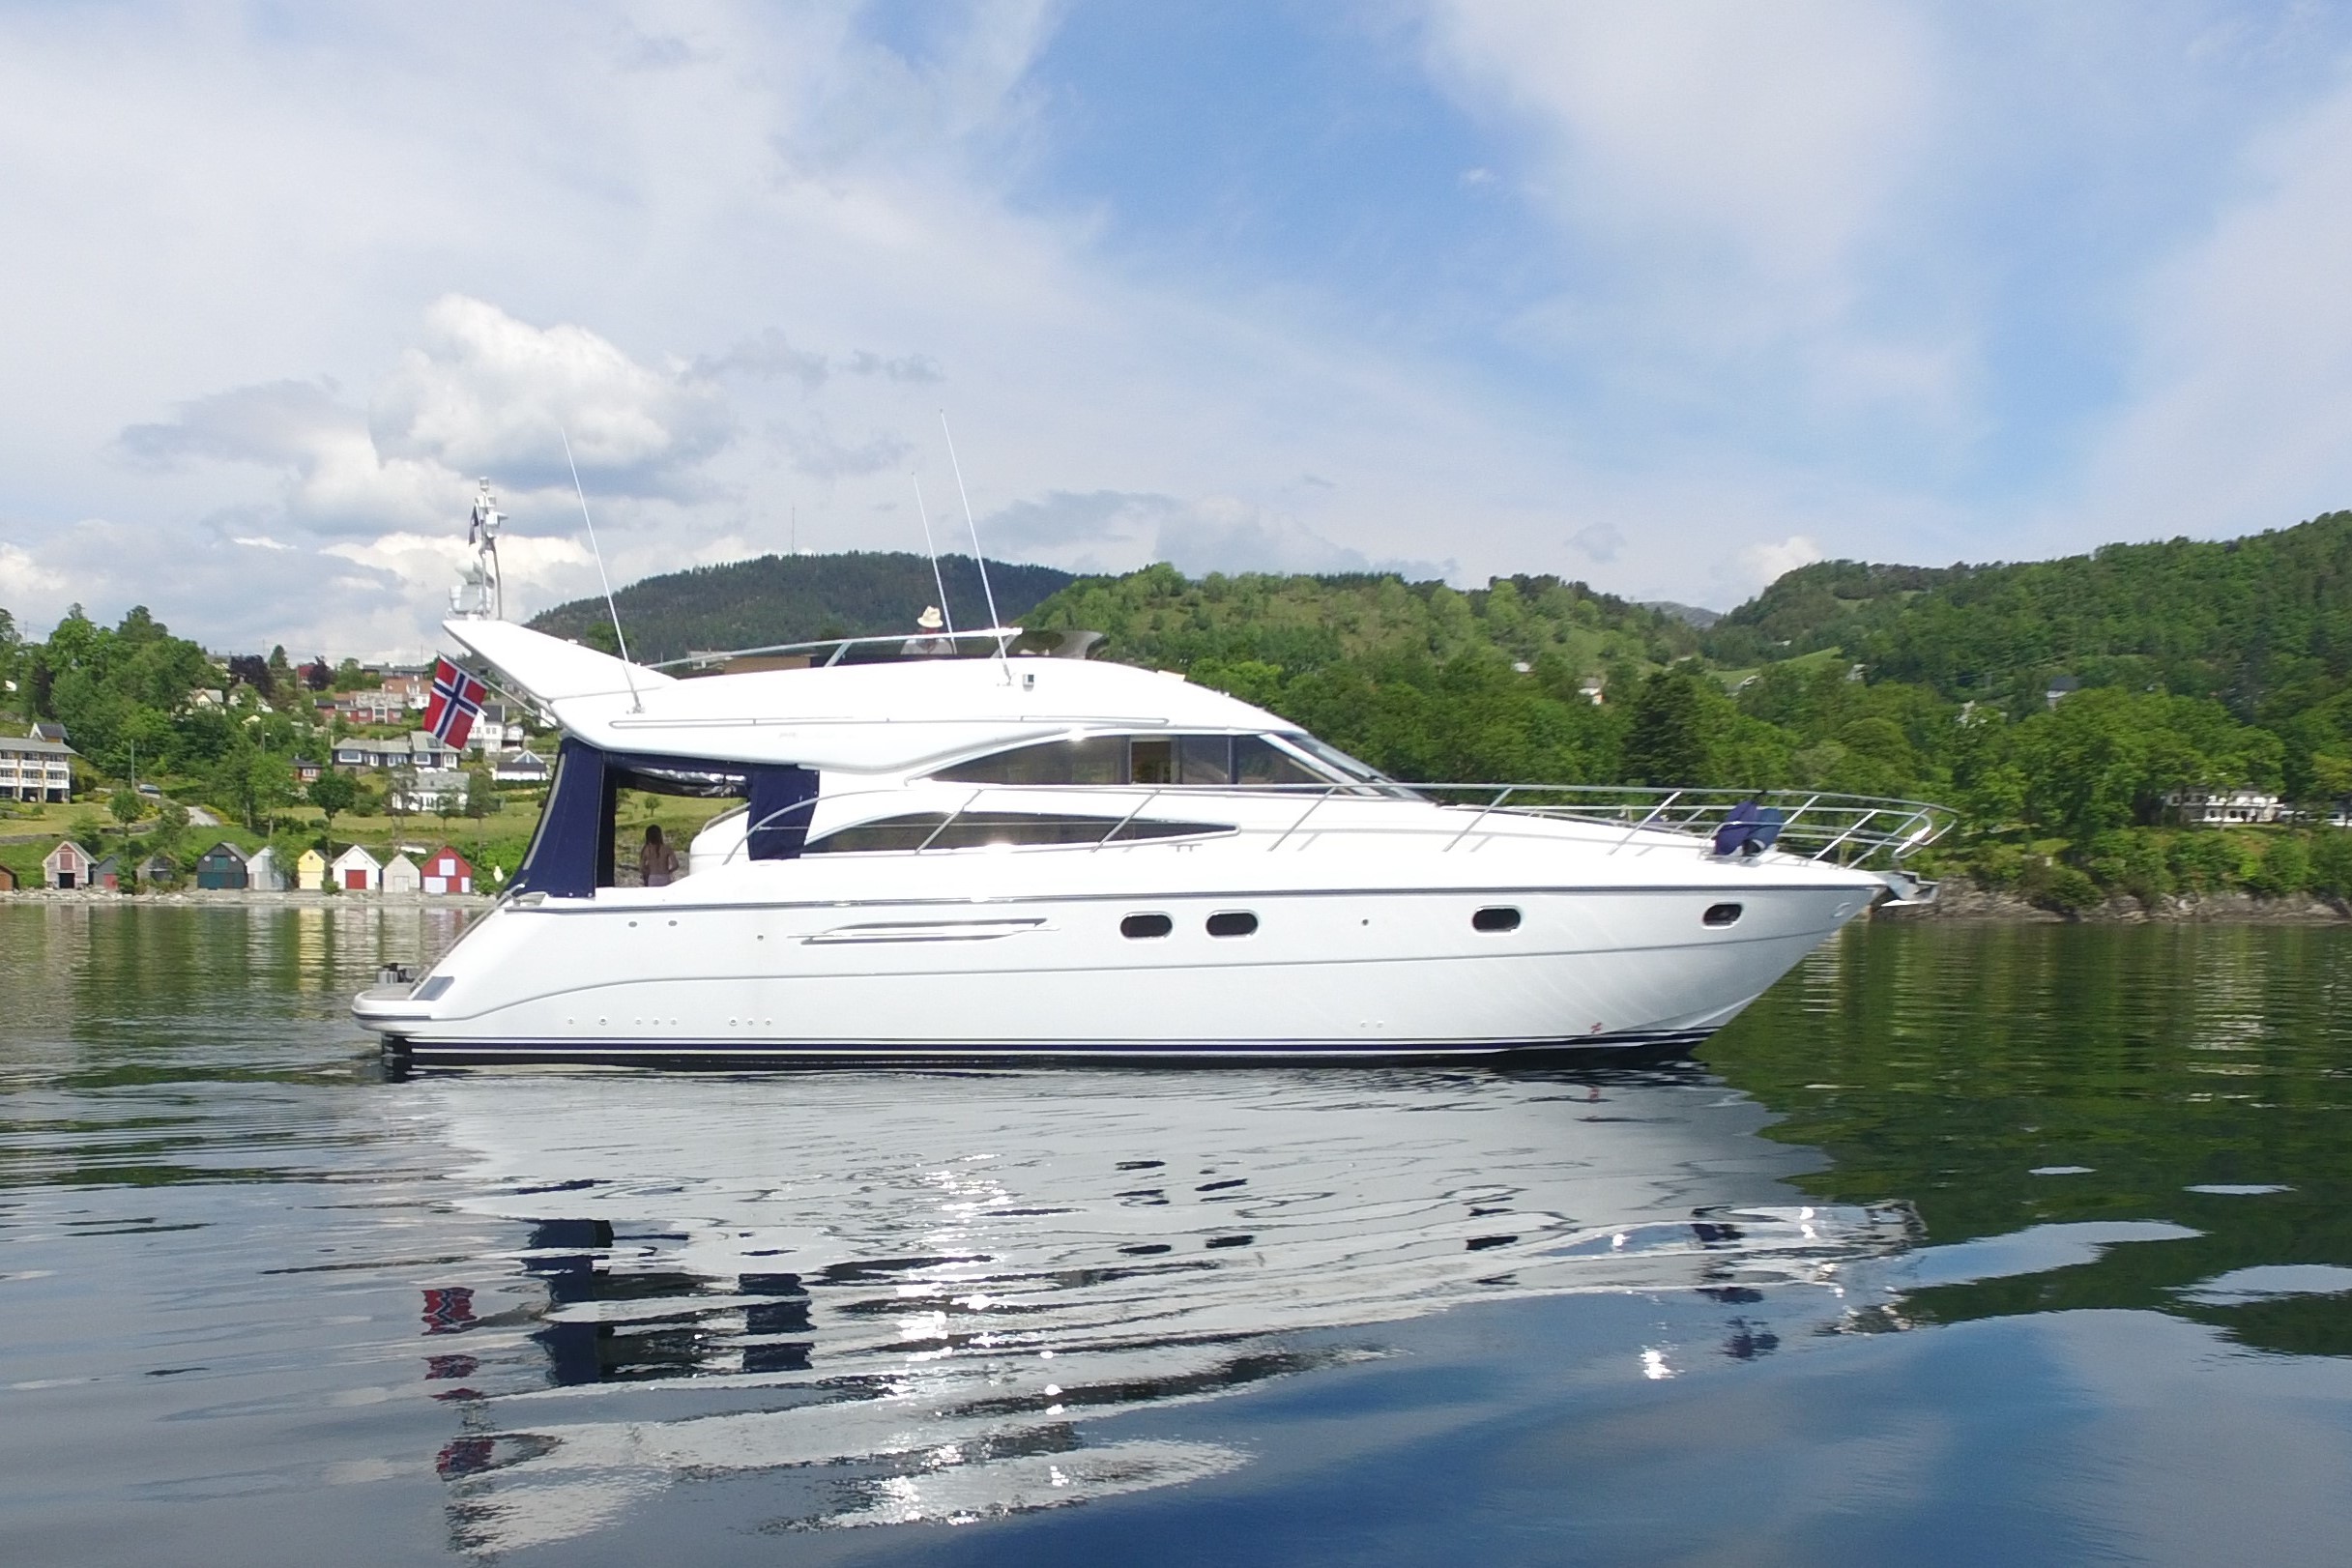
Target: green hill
{"type": "Point", "coordinates": [2253, 623]}
{"type": "Point", "coordinates": [797, 599]}
{"type": "Point", "coordinates": [1160, 617]}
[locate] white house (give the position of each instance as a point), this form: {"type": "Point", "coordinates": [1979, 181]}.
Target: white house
{"type": "Point", "coordinates": [435, 790]}
{"type": "Point", "coordinates": [356, 871]}
{"type": "Point", "coordinates": [263, 872]}
{"type": "Point", "coordinates": [2225, 808]}
{"type": "Point", "coordinates": [36, 768]}
{"type": "Point", "coordinates": [400, 876]}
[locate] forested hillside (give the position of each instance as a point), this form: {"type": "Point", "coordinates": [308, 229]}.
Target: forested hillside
{"type": "Point", "coordinates": [2252, 622]}
{"type": "Point", "coordinates": [795, 598]}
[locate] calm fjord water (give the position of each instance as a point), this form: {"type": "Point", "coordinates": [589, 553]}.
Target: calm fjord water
{"type": "Point", "coordinates": [1968, 1244]}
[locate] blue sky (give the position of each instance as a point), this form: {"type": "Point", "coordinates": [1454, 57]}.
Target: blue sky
{"type": "Point", "coordinates": [1669, 298]}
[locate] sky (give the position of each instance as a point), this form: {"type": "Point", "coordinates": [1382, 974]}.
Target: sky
{"type": "Point", "coordinates": [1670, 298]}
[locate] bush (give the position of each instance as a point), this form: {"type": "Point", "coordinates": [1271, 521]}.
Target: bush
{"type": "Point", "coordinates": [2052, 885]}
{"type": "Point", "coordinates": [2285, 868]}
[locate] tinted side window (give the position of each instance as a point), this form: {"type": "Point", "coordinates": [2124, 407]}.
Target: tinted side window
{"type": "Point", "coordinates": [1257, 761]}
{"type": "Point", "coordinates": [981, 830]}
{"type": "Point", "coordinates": [1100, 759]}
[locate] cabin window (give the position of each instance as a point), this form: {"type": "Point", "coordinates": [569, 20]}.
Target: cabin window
{"type": "Point", "coordinates": [1233, 923]}
{"type": "Point", "coordinates": [1098, 759]}
{"type": "Point", "coordinates": [984, 829]}
{"type": "Point", "coordinates": [1258, 761]}
{"type": "Point", "coordinates": [1144, 927]}
{"type": "Point", "coordinates": [1721, 915]}
{"type": "Point", "coordinates": [1497, 918]}
{"type": "Point", "coordinates": [1212, 760]}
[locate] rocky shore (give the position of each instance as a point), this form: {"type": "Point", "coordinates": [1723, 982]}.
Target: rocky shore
{"type": "Point", "coordinates": [1965, 900]}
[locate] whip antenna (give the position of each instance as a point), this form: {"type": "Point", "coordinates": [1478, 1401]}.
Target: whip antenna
{"type": "Point", "coordinates": [932, 550]}
{"type": "Point", "coordinates": [629, 671]}
{"type": "Point", "coordinates": [979, 556]}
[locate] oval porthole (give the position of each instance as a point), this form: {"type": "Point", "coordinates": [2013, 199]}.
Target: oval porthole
{"type": "Point", "coordinates": [1140, 926]}
{"type": "Point", "coordinates": [1495, 919]}
{"type": "Point", "coordinates": [1721, 915]}
{"type": "Point", "coordinates": [1232, 923]}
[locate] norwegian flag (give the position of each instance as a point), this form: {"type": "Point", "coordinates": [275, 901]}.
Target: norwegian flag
{"type": "Point", "coordinates": [457, 702]}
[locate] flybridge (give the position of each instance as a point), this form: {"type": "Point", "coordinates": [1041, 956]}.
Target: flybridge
{"type": "Point", "coordinates": [854, 718]}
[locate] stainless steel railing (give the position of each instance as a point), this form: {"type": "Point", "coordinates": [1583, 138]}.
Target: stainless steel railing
{"type": "Point", "coordinates": [1815, 825]}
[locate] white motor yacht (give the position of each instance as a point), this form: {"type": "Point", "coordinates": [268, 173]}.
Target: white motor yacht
{"type": "Point", "coordinates": [1001, 857]}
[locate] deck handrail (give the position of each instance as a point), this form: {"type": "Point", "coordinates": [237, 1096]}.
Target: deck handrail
{"type": "Point", "coordinates": [1815, 825]}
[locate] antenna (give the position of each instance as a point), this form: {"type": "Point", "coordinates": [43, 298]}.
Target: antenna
{"type": "Point", "coordinates": [979, 556]}
{"type": "Point", "coordinates": [932, 550]}
{"type": "Point", "coordinates": [629, 671]}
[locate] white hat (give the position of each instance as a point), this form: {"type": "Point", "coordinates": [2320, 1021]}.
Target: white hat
{"type": "Point", "coordinates": [929, 620]}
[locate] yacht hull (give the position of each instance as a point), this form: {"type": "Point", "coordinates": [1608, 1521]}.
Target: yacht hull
{"type": "Point", "coordinates": [1341, 974]}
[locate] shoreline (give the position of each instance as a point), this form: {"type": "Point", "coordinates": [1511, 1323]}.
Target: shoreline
{"type": "Point", "coordinates": [1962, 900]}
{"type": "Point", "coordinates": [225, 897]}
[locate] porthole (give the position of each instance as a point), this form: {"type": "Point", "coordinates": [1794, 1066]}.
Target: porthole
{"type": "Point", "coordinates": [1140, 926]}
{"type": "Point", "coordinates": [1497, 918]}
{"type": "Point", "coordinates": [1232, 923]}
{"type": "Point", "coordinates": [1721, 915]}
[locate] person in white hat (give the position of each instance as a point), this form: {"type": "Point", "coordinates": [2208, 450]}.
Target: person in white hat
{"type": "Point", "coordinates": [930, 644]}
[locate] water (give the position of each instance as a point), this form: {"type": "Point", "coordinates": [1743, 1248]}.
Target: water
{"type": "Point", "coordinates": [1968, 1244]}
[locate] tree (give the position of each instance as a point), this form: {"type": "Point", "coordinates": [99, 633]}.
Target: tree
{"type": "Point", "coordinates": [334, 794]}
{"type": "Point", "coordinates": [349, 676]}
{"type": "Point", "coordinates": [1665, 742]}
{"type": "Point", "coordinates": [127, 805]}
{"type": "Point", "coordinates": [482, 794]}
{"type": "Point", "coordinates": [283, 687]}
{"type": "Point", "coordinates": [400, 798]}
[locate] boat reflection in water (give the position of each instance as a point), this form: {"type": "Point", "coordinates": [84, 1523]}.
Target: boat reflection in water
{"type": "Point", "coordinates": [918, 1296]}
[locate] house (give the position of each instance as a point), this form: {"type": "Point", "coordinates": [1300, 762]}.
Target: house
{"type": "Point", "coordinates": [106, 874]}
{"type": "Point", "coordinates": [2061, 687]}
{"type": "Point", "coordinates": [447, 871]}
{"type": "Point", "coordinates": [310, 871]}
{"type": "Point", "coordinates": [7, 879]}
{"type": "Point", "coordinates": [263, 873]}
{"type": "Point", "coordinates": [522, 768]}
{"type": "Point", "coordinates": [356, 871]}
{"type": "Point", "coordinates": [37, 767]}
{"type": "Point", "coordinates": [400, 876]}
{"type": "Point", "coordinates": [413, 687]}
{"type": "Point", "coordinates": [158, 870]}
{"type": "Point", "coordinates": [2225, 808]}
{"type": "Point", "coordinates": [1592, 687]}
{"type": "Point", "coordinates": [418, 749]}
{"type": "Point", "coordinates": [439, 790]}
{"type": "Point", "coordinates": [221, 867]}
{"type": "Point", "coordinates": [67, 866]}
{"type": "Point", "coordinates": [49, 730]}
{"type": "Point", "coordinates": [306, 771]}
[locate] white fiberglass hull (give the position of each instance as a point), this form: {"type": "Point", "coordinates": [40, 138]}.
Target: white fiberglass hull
{"type": "Point", "coordinates": [732, 966]}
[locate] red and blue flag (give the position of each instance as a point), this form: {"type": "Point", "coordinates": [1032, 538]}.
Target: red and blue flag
{"type": "Point", "coordinates": [457, 702]}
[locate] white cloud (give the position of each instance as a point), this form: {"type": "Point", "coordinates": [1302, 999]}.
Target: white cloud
{"type": "Point", "coordinates": [1767, 561]}
{"type": "Point", "coordinates": [483, 391]}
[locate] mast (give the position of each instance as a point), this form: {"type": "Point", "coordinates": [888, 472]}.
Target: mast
{"type": "Point", "coordinates": [480, 595]}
